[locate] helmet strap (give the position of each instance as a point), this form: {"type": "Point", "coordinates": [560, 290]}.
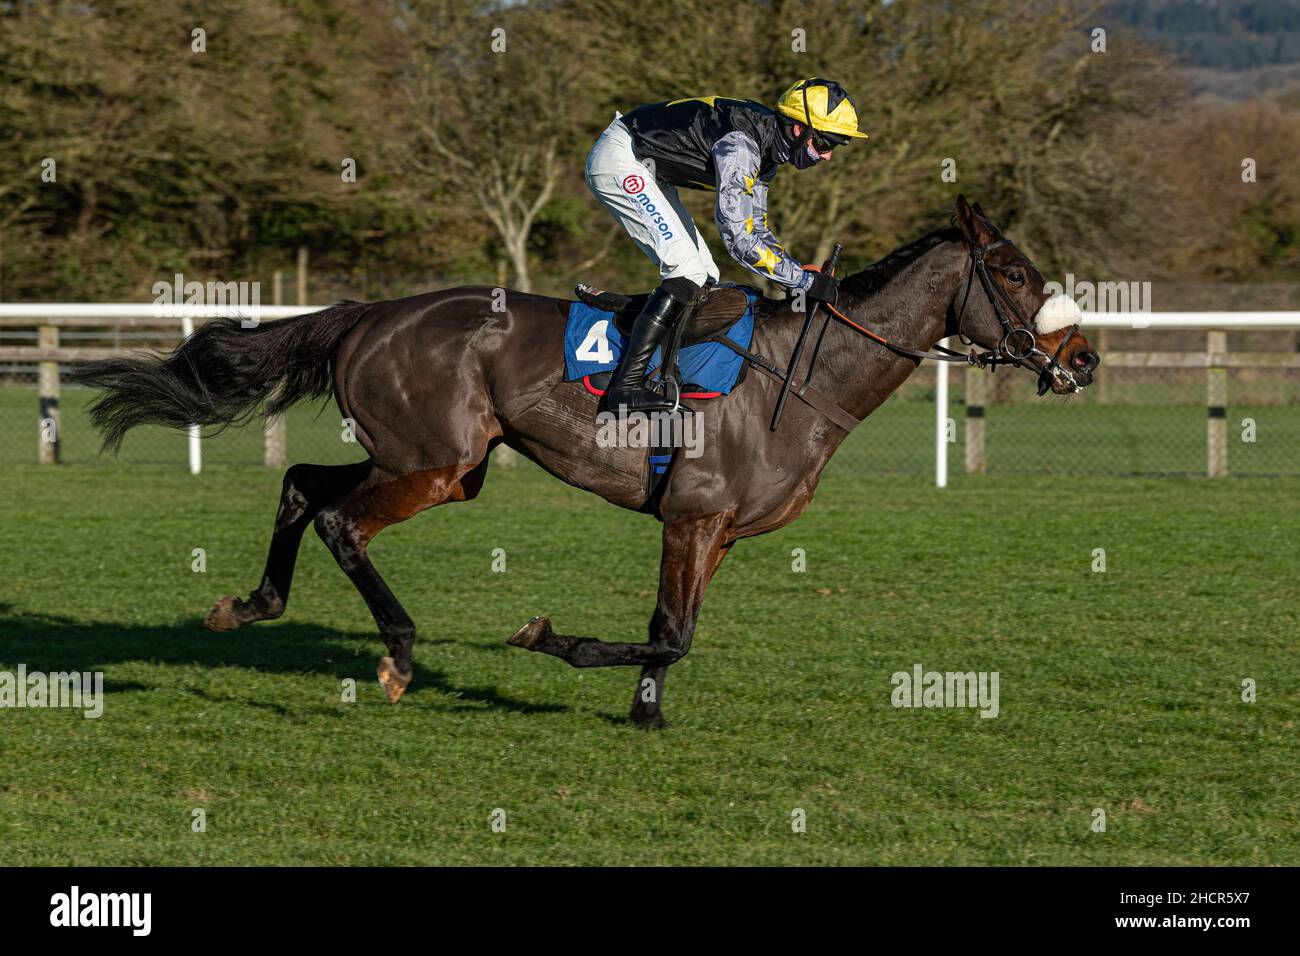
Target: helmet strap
{"type": "Point", "coordinates": [787, 130]}
{"type": "Point", "coordinates": [807, 115]}
{"type": "Point", "coordinates": [801, 141]}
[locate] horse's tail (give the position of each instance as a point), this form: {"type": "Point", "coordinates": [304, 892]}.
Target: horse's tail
{"type": "Point", "coordinates": [223, 374]}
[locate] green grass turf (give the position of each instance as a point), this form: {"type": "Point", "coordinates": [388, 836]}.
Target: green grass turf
{"type": "Point", "coordinates": [1119, 690]}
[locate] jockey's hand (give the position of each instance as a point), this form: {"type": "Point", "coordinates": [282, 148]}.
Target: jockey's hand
{"type": "Point", "coordinates": [824, 288]}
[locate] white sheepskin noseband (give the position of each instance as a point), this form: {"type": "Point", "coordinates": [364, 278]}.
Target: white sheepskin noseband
{"type": "Point", "coordinates": [1058, 312]}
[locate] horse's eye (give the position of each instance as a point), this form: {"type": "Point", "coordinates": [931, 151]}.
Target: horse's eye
{"type": "Point", "coordinates": [1017, 278]}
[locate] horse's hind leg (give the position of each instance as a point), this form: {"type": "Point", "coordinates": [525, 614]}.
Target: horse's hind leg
{"type": "Point", "coordinates": [306, 490]}
{"type": "Point", "coordinates": [348, 526]}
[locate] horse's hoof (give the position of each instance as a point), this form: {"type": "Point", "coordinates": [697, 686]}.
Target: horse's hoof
{"type": "Point", "coordinates": [221, 616]}
{"type": "Point", "coordinates": [652, 722]}
{"type": "Point", "coordinates": [392, 680]}
{"type": "Point", "coordinates": [531, 634]}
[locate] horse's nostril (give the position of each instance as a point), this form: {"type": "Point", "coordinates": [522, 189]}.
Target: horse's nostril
{"type": "Point", "coordinates": [1087, 361]}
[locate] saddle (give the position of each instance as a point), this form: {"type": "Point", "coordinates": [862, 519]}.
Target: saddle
{"type": "Point", "coordinates": [710, 312]}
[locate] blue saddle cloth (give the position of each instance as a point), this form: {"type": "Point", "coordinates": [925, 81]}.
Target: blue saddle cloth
{"type": "Point", "coordinates": [592, 345]}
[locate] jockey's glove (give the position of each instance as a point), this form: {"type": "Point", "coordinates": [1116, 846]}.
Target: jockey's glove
{"type": "Point", "coordinates": [824, 288]}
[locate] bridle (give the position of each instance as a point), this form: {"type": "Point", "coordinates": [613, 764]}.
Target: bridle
{"type": "Point", "coordinates": [1017, 346]}
{"type": "Point", "coordinates": [1007, 352]}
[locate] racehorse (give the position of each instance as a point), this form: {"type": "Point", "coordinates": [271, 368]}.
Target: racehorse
{"type": "Point", "coordinates": [432, 383]}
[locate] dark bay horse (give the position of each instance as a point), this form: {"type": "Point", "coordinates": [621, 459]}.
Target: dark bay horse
{"type": "Point", "coordinates": [433, 382]}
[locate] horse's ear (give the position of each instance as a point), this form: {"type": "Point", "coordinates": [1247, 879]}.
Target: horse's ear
{"type": "Point", "coordinates": [979, 211]}
{"type": "Point", "coordinates": [974, 225]}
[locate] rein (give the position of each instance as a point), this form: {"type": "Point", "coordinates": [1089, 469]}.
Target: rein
{"type": "Point", "coordinates": [1006, 352]}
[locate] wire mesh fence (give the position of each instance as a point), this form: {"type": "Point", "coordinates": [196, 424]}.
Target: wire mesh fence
{"type": "Point", "coordinates": [1139, 417]}
{"type": "Point", "coordinates": [1133, 421]}
{"type": "Point", "coordinates": [311, 432]}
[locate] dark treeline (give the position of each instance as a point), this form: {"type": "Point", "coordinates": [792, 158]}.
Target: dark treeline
{"type": "Point", "coordinates": [1224, 34]}
{"type": "Point", "coordinates": [133, 146]}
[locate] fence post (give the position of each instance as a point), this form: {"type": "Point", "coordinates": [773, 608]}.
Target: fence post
{"type": "Point", "coordinates": [1101, 381]}
{"type": "Point", "coordinates": [941, 423]}
{"type": "Point", "coordinates": [302, 275]}
{"type": "Point", "coordinates": [976, 394]}
{"type": "Point", "coordinates": [503, 456]}
{"type": "Point", "coordinates": [274, 454]}
{"type": "Point", "coordinates": [1216, 406]}
{"type": "Point", "coordinates": [47, 378]}
{"type": "Point", "coordinates": [195, 432]}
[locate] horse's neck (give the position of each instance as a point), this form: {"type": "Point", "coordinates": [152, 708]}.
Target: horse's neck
{"type": "Point", "coordinates": [910, 309]}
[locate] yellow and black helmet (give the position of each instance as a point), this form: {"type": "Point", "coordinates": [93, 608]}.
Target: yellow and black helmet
{"type": "Point", "coordinates": [824, 106]}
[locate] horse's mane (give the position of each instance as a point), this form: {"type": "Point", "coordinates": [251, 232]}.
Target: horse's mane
{"type": "Point", "coordinates": [874, 276]}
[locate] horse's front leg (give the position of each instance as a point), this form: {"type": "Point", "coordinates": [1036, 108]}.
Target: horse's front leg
{"type": "Point", "coordinates": [692, 550]}
{"type": "Point", "coordinates": [691, 554]}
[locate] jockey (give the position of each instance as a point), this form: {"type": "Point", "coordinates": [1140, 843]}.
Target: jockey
{"type": "Point", "coordinates": [712, 142]}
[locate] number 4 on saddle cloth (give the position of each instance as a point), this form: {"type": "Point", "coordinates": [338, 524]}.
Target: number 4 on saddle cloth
{"type": "Point", "coordinates": [599, 323]}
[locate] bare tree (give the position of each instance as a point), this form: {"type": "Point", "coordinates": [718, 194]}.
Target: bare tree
{"type": "Point", "coordinates": [491, 100]}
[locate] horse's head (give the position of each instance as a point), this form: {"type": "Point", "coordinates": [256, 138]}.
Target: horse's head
{"type": "Point", "coordinates": [1004, 306]}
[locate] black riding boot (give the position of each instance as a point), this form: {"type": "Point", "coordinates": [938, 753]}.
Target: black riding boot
{"type": "Point", "coordinates": [627, 386]}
